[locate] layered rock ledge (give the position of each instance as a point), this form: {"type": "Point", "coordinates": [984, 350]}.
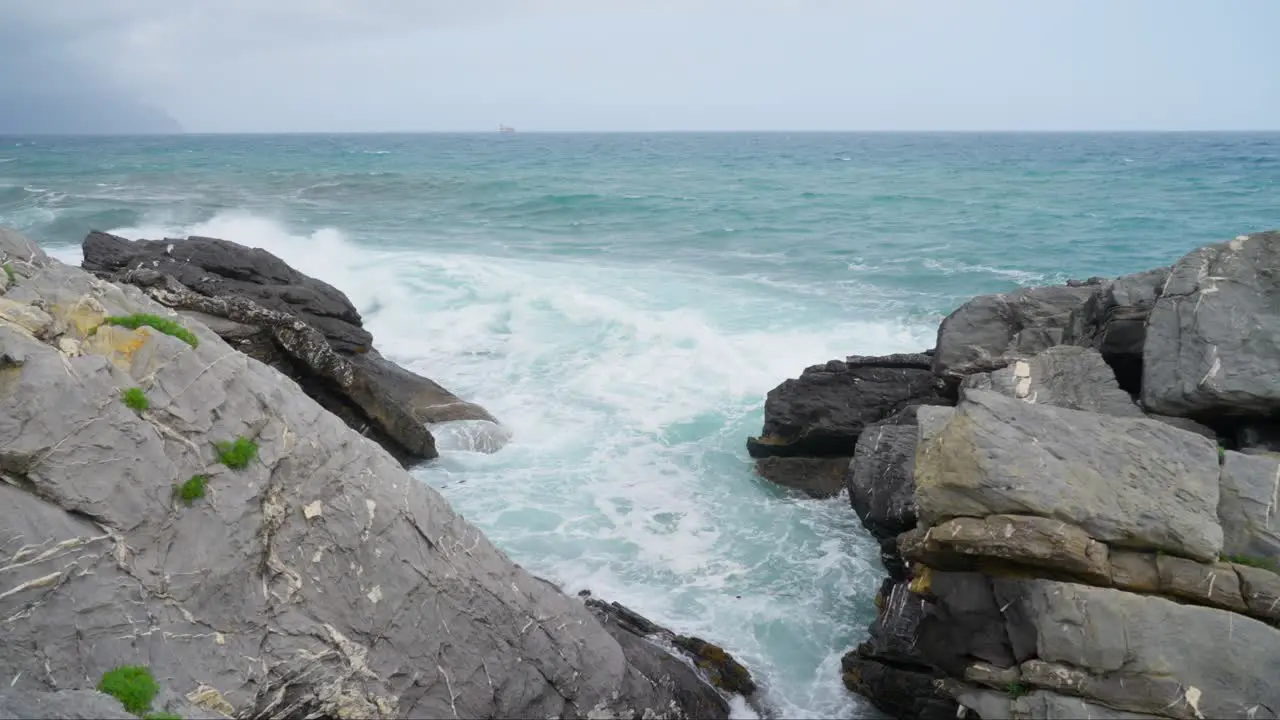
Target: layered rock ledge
{"type": "Point", "coordinates": [1078, 498]}
{"type": "Point", "coordinates": [304, 574]}
{"type": "Point", "coordinates": [301, 326]}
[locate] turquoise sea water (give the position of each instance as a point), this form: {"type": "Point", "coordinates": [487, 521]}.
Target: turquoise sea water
{"type": "Point", "coordinates": [624, 302]}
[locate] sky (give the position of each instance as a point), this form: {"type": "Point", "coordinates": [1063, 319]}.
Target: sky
{"type": "Point", "coordinates": [638, 65]}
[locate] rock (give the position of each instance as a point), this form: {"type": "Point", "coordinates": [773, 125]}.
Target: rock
{"type": "Point", "coordinates": [1010, 702]}
{"type": "Point", "coordinates": [1064, 376]}
{"type": "Point", "coordinates": [816, 477]}
{"type": "Point", "coordinates": [956, 629]}
{"type": "Point", "coordinates": [1186, 424]}
{"type": "Point", "coordinates": [354, 588]}
{"type": "Point", "coordinates": [1247, 507]}
{"type": "Point", "coordinates": [718, 667]}
{"type": "Point", "coordinates": [68, 704]}
{"type": "Point", "coordinates": [1118, 649]}
{"type": "Point", "coordinates": [1215, 584]}
{"type": "Point", "coordinates": [722, 669]}
{"type": "Point", "coordinates": [1114, 322]}
{"type": "Point", "coordinates": [1258, 437]}
{"type": "Point", "coordinates": [880, 479]}
{"type": "Point", "coordinates": [888, 669]}
{"type": "Point", "coordinates": [19, 251]}
{"type": "Point", "coordinates": [1154, 486]}
{"type": "Point", "coordinates": [1136, 571]}
{"type": "Point", "coordinates": [1213, 334]}
{"type": "Point", "coordinates": [220, 268]}
{"type": "Point", "coordinates": [899, 692]}
{"type": "Point", "coordinates": [258, 299]}
{"type": "Point", "coordinates": [1261, 591]}
{"type": "Point", "coordinates": [1034, 542]}
{"type": "Point", "coordinates": [984, 333]}
{"type": "Point", "coordinates": [823, 412]}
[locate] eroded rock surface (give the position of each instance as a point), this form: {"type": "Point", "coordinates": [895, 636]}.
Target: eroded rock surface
{"type": "Point", "coordinates": [1213, 339]}
{"type": "Point", "coordinates": [823, 412]}
{"type": "Point", "coordinates": [319, 580]}
{"type": "Point", "coordinates": [985, 333]}
{"type": "Point", "coordinates": [256, 302]}
{"type": "Point", "coordinates": [1056, 550]}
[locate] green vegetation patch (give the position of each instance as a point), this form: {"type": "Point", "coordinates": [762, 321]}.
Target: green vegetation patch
{"type": "Point", "coordinates": [1258, 562]}
{"type": "Point", "coordinates": [162, 716]}
{"type": "Point", "coordinates": [132, 685]}
{"type": "Point", "coordinates": [238, 453]}
{"type": "Point", "coordinates": [193, 489]}
{"type": "Point", "coordinates": [8, 270]}
{"type": "Point", "coordinates": [1015, 690]}
{"type": "Point", "coordinates": [164, 325]}
{"type": "Point", "coordinates": [135, 399]}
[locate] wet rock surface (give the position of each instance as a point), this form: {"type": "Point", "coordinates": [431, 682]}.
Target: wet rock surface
{"type": "Point", "coordinates": [1079, 536]}
{"type": "Point", "coordinates": [299, 325]}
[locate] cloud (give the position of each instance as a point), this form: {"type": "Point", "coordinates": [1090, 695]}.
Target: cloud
{"type": "Point", "coordinates": [49, 81]}
{"type": "Point", "coordinates": [333, 65]}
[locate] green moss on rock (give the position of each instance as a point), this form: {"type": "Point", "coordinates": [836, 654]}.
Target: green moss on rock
{"type": "Point", "coordinates": [132, 685]}
{"type": "Point", "coordinates": [164, 325]}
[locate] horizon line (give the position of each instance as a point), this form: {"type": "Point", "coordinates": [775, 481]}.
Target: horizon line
{"type": "Point", "coordinates": [645, 132]}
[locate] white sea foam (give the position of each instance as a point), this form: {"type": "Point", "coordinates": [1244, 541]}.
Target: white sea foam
{"type": "Point", "coordinates": [629, 392]}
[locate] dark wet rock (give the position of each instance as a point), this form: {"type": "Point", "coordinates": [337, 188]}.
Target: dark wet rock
{"type": "Point", "coordinates": [1213, 338]}
{"type": "Point", "coordinates": [638, 635]}
{"type": "Point", "coordinates": [823, 412]}
{"type": "Point", "coordinates": [881, 479]}
{"type": "Point", "coordinates": [985, 333]}
{"type": "Point", "coordinates": [221, 268]}
{"type": "Point", "coordinates": [721, 668]}
{"type": "Point", "coordinates": [899, 691]}
{"type": "Point", "coordinates": [1259, 436]}
{"type": "Point", "coordinates": [816, 477]}
{"type": "Point", "coordinates": [282, 318]}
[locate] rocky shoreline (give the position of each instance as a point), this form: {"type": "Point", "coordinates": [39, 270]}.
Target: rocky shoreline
{"type": "Point", "coordinates": [1076, 492]}
{"type": "Point", "coordinates": [202, 475]}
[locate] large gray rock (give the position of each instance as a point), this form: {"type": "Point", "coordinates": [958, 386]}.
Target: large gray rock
{"type": "Point", "coordinates": [986, 332]}
{"type": "Point", "coordinates": [319, 580]}
{"type": "Point", "coordinates": [1126, 481]}
{"type": "Point", "coordinates": [1123, 650]}
{"type": "Point", "coordinates": [67, 704]}
{"type": "Point", "coordinates": [823, 412]}
{"type": "Point", "coordinates": [1114, 322]}
{"type": "Point", "coordinates": [1064, 376]}
{"type": "Point", "coordinates": [1213, 338]}
{"type": "Point", "coordinates": [255, 302]}
{"type": "Point", "coordinates": [1249, 506]}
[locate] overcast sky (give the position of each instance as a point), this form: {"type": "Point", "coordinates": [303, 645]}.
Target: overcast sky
{"type": "Point", "coordinates": [403, 65]}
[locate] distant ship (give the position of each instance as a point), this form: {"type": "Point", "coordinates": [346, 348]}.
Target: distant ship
{"type": "Point", "coordinates": [506, 129]}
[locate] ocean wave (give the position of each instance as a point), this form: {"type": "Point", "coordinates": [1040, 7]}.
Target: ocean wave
{"type": "Point", "coordinates": [628, 390]}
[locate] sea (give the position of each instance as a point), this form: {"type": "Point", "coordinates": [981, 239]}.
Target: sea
{"type": "Point", "coordinates": [624, 302]}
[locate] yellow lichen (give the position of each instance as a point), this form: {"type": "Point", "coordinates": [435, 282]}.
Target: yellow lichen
{"type": "Point", "coordinates": [117, 344]}
{"type": "Point", "coordinates": [770, 440]}
{"type": "Point", "coordinates": [82, 316]}
{"type": "Point", "coordinates": [210, 699]}
{"type": "Point", "coordinates": [922, 582]}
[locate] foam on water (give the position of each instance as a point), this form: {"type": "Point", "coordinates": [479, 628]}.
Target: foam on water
{"type": "Point", "coordinates": [629, 392]}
